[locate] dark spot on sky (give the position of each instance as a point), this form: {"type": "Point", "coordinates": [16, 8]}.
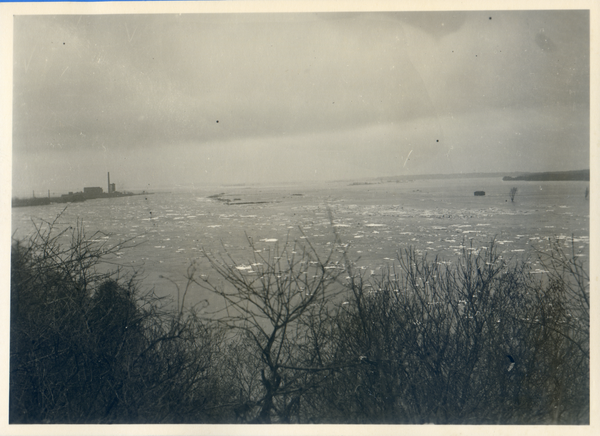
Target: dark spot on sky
{"type": "Point", "coordinates": [217, 121]}
{"type": "Point", "coordinates": [490, 18]}
{"type": "Point", "coordinates": [437, 140]}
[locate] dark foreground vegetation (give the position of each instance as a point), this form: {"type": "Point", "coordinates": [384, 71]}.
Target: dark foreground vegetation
{"type": "Point", "coordinates": [302, 339]}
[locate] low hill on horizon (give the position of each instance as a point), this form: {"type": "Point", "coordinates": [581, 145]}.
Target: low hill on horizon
{"type": "Point", "coordinates": [576, 175]}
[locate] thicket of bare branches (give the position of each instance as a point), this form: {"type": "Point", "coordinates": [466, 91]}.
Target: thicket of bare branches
{"type": "Point", "coordinates": [479, 341]}
{"type": "Point", "coordinates": [89, 347]}
{"type": "Point", "coordinates": [279, 308]}
{"type": "Point", "coordinates": [302, 337]}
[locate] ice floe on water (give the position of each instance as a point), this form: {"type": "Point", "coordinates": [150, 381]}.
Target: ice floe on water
{"type": "Point", "coordinates": [582, 239]}
{"type": "Point", "coordinates": [444, 225]}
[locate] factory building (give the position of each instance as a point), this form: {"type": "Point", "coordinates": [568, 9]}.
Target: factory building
{"type": "Point", "coordinates": [92, 191]}
{"type": "Point", "coordinates": [112, 188]}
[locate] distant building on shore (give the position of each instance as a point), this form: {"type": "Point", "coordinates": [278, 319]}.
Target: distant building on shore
{"type": "Point", "coordinates": [92, 191]}
{"type": "Point", "coordinates": [112, 188]}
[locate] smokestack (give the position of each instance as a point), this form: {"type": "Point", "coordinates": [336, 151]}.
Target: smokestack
{"type": "Point", "coordinates": [109, 182]}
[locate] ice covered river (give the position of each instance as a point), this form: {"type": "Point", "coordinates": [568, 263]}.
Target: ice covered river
{"type": "Point", "coordinates": [374, 221]}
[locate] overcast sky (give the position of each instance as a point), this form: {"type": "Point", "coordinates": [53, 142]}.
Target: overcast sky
{"type": "Point", "coordinates": [197, 99]}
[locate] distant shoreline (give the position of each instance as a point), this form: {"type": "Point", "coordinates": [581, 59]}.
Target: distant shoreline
{"type": "Point", "coordinates": [571, 175]}
{"type": "Point", "coordinates": [78, 197]}
{"type": "Point", "coordinates": [579, 175]}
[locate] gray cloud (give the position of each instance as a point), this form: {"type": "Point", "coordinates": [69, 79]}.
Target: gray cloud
{"type": "Point", "coordinates": [106, 87]}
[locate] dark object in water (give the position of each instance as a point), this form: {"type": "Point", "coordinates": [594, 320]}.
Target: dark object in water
{"type": "Point", "coordinates": [478, 193]}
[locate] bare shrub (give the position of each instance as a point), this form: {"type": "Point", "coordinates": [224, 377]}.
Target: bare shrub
{"type": "Point", "coordinates": [88, 346]}
{"type": "Point", "coordinates": [278, 307]}
{"type": "Point", "coordinates": [480, 341]}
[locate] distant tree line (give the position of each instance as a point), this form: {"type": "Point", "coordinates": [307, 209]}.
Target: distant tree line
{"type": "Point", "coordinates": [577, 175]}
{"type": "Point", "coordinates": [301, 338]}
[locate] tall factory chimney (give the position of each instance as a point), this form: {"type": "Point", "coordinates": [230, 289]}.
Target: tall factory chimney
{"type": "Point", "coordinates": [108, 183]}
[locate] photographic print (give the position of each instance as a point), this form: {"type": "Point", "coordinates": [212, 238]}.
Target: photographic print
{"type": "Point", "coordinates": [300, 217]}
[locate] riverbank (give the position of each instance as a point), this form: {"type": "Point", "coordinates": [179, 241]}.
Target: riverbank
{"type": "Point", "coordinates": [556, 176]}
{"type": "Point", "coordinates": [69, 198]}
